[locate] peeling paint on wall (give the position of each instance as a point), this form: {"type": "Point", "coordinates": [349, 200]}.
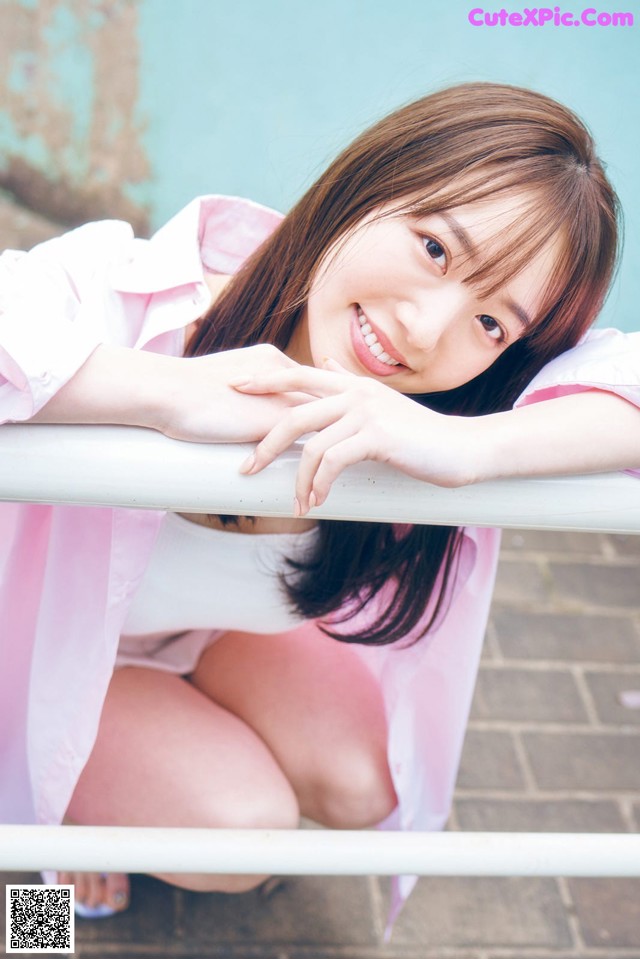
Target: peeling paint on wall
{"type": "Point", "coordinates": [70, 135]}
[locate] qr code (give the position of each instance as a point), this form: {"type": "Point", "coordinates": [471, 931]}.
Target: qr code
{"type": "Point", "coordinates": [40, 919]}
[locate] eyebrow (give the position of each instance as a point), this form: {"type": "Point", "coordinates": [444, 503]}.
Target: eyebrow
{"type": "Point", "coordinates": [460, 233]}
{"type": "Point", "coordinates": [519, 312]}
{"type": "Point", "coordinates": [464, 240]}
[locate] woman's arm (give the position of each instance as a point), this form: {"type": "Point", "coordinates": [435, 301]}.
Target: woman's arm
{"type": "Point", "coordinates": [188, 399]}
{"type": "Point", "coordinates": [74, 313]}
{"type": "Point", "coordinates": [587, 432]}
{"type": "Point", "coordinates": [357, 418]}
{"type": "Point", "coordinates": [115, 385]}
{"type": "Point", "coordinates": [72, 308]}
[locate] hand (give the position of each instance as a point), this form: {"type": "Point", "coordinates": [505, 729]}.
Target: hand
{"type": "Point", "coordinates": [198, 404]}
{"type": "Point", "coordinates": [185, 398]}
{"type": "Point", "coordinates": [358, 418]}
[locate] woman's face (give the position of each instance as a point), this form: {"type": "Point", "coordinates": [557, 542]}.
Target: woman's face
{"type": "Point", "coordinates": [390, 301]}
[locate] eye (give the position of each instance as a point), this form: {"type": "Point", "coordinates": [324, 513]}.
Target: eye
{"type": "Point", "coordinates": [435, 251]}
{"type": "Point", "coordinates": [492, 328]}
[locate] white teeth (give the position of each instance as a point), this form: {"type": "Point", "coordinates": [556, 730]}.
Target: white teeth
{"type": "Point", "coordinates": [370, 338]}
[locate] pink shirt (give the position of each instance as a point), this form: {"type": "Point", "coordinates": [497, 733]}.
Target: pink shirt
{"type": "Point", "coordinates": [68, 573]}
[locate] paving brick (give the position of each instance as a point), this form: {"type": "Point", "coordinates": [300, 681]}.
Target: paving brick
{"type": "Point", "coordinates": [606, 690]}
{"type": "Point", "coordinates": [547, 541]}
{"type": "Point", "coordinates": [520, 582]}
{"type": "Point", "coordinates": [521, 694]}
{"type": "Point", "coordinates": [150, 919]}
{"type": "Point", "coordinates": [566, 636]}
{"type": "Point", "coordinates": [577, 761]}
{"type": "Point", "coordinates": [172, 950]}
{"type": "Point", "coordinates": [489, 761]}
{"type": "Point", "coordinates": [597, 584]}
{"type": "Point", "coordinates": [484, 912]}
{"type": "Point", "coordinates": [625, 545]}
{"type": "Point", "coordinates": [522, 815]}
{"type": "Point", "coordinates": [608, 911]}
{"type": "Point", "coordinates": [303, 910]}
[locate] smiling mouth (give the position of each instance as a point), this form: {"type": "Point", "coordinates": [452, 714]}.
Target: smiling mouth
{"type": "Point", "coordinates": [372, 343]}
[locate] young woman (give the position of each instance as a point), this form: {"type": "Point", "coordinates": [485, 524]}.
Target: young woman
{"type": "Point", "coordinates": [428, 276]}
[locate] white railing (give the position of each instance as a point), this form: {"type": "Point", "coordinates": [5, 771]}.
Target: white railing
{"type": "Point", "coordinates": [317, 852]}
{"type": "Point", "coordinates": [126, 466]}
{"type": "Point", "coordinates": [118, 466]}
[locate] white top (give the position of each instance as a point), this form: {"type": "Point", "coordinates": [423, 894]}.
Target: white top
{"type": "Point", "coordinates": [204, 578]}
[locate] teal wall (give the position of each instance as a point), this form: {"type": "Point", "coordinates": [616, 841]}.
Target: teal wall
{"type": "Point", "coordinates": [253, 98]}
{"type": "Point", "coordinates": [129, 108]}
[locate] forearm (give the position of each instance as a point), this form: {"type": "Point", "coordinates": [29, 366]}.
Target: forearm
{"type": "Point", "coordinates": [184, 398]}
{"type": "Point", "coordinates": [593, 431]}
{"type": "Point", "coordinates": [115, 385]}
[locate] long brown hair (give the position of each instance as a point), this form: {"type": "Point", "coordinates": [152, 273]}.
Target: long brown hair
{"type": "Point", "coordinates": [457, 146]}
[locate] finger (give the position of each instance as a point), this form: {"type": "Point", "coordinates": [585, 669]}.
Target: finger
{"type": "Point", "coordinates": [313, 452]}
{"type": "Point", "coordinates": [297, 398]}
{"type": "Point", "coordinates": [354, 448]}
{"type": "Point", "coordinates": [330, 364]}
{"type": "Point", "coordinates": [293, 424]}
{"type": "Point", "coordinates": [306, 379]}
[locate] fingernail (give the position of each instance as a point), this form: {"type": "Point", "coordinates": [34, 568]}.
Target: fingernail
{"type": "Point", "coordinates": [296, 507]}
{"type": "Point", "coordinates": [313, 500]}
{"type": "Point", "coordinates": [248, 464]}
{"type": "Point", "coordinates": [119, 899]}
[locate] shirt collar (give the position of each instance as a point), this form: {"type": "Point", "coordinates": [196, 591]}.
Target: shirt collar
{"type": "Point", "coordinates": [215, 232]}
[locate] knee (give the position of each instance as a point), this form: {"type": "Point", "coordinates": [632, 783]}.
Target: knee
{"type": "Point", "coordinates": [258, 810]}
{"type": "Point", "coordinates": [265, 804]}
{"type": "Point", "coordinates": [356, 794]}
{"type": "Point", "coordinates": [263, 807]}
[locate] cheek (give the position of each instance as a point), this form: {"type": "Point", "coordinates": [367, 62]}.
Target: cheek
{"type": "Point", "coordinates": [321, 329]}
{"type": "Point", "coordinates": [463, 365]}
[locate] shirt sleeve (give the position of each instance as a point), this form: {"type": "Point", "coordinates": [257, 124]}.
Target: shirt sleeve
{"type": "Point", "coordinates": [604, 360]}
{"type": "Point", "coordinates": [53, 312]}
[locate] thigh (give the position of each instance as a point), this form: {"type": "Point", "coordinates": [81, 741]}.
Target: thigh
{"type": "Point", "coordinates": [320, 711]}
{"type": "Point", "coordinates": [166, 755]}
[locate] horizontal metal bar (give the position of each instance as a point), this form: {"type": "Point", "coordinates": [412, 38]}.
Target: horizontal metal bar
{"type": "Point", "coordinates": [317, 852]}
{"type": "Point", "coordinates": [127, 466]}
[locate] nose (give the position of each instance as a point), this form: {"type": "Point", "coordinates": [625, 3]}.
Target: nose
{"type": "Point", "coordinates": [428, 320]}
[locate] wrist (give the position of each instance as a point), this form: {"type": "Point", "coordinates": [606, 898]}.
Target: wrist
{"type": "Point", "coordinates": [492, 446]}
{"type": "Point", "coordinates": [115, 385]}
{"type": "Point", "coordinates": [156, 394]}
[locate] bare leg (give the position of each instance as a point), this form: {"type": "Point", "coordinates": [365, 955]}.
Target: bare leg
{"type": "Point", "coordinates": [319, 710]}
{"type": "Point", "coordinates": [266, 726]}
{"type": "Point", "coordinates": [167, 756]}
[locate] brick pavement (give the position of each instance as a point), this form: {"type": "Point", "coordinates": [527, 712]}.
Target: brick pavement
{"type": "Point", "coordinates": [551, 746]}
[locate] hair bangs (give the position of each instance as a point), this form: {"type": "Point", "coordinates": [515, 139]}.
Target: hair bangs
{"type": "Point", "coordinates": [560, 212]}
